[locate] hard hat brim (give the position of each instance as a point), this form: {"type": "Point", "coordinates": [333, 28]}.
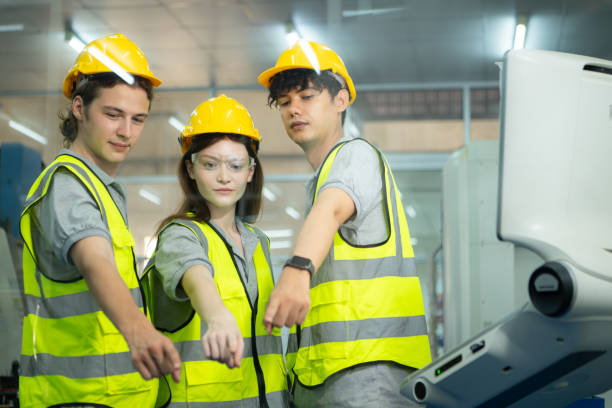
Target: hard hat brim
{"type": "Point", "coordinates": [265, 77]}
{"type": "Point", "coordinates": [72, 75]}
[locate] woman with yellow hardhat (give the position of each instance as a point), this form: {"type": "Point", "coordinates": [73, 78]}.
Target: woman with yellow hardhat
{"type": "Point", "coordinates": [211, 275]}
{"type": "Point", "coordinates": [86, 338]}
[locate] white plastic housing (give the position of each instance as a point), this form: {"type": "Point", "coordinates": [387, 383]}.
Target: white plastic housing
{"type": "Point", "coordinates": [556, 157]}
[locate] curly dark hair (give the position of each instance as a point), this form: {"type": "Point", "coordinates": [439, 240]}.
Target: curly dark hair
{"type": "Point", "coordinates": [301, 78]}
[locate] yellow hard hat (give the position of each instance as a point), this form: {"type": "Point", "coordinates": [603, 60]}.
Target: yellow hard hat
{"type": "Point", "coordinates": [119, 50]}
{"type": "Point", "coordinates": [219, 115]}
{"type": "Point", "coordinates": [309, 55]}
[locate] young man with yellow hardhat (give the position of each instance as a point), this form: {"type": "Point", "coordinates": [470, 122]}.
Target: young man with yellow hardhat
{"type": "Point", "coordinates": [211, 275]}
{"type": "Point", "coordinates": [86, 338]}
{"type": "Point", "coordinates": [351, 283]}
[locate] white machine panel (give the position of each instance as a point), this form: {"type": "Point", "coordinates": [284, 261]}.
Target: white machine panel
{"type": "Point", "coordinates": [556, 157]}
{"type": "Point", "coordinates": [555, 167]}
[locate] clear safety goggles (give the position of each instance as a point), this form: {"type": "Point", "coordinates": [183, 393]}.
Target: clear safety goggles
{"type": "Point", "coordinates": [234, 165]}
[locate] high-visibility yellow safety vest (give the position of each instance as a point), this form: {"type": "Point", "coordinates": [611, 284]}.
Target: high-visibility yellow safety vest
{"type": "Point", "coordinates": [366, 302]}
{"type": "Point", "coordinates": [71, 352]}
{"type": "Point", "coordinates": [262, 375]}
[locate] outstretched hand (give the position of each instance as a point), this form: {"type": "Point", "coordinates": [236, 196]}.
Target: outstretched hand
{"type": "Point", "coordinates": [223, 341]}
{"type": "Point", "coordinates": [290, 299]}
{"type": "Point", "coordinates": [153, 354]}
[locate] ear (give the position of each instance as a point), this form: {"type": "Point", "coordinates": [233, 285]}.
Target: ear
{"type": "Point", "coordinates": [341, 100]}
{"type": "Point", "coordinates": [189, 166]}
{"type": "Point", "coordinates": [78, 107]}
{"type": "Point", "coordinates": [251, 173]}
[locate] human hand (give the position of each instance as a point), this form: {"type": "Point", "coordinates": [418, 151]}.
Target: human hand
{"type": "Point", "coordinates": [290, 299]}
{"type": "Point", "coordinates": [223, 341]}
{"type": "Point", "coordinates": [153, 354]}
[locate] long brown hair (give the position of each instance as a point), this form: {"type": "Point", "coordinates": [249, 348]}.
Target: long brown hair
{"type": "Point", "coordinates": [249, 205]}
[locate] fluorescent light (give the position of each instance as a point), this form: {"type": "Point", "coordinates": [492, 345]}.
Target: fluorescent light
{"type": "Point", "coordinates": [293, 213]}
{"type": "Point", "coordinates": [76, 44]}
{"type": "Point", "coordinates": [369, 12]}
{"type": "Point", "coordinates": [292, 37]}
{"type": "Point", "coordinates": [410, 211]}
{"type": "Point", "coordinates": [112, 65]}
{"type": "Point", "coordinates": [280, 244]}
{"type": "Point", "coordinates": [519, 36]}
{"type": "Point", "coordinates": [28, 132]}
{"type": "Point", "coordinates": [149, 195]}
{"type": "Point", "coordinates": [175, 123]}
{"type": "Point", "coordinates": [268, 194]}
{"type": "Point", "coordinates": [279, 233]}
{"type": "Point", "coordinates": [10, 27]}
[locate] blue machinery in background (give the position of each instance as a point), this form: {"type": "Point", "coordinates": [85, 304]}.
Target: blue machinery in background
{"type": "Point", "coordinates": [19, 167]}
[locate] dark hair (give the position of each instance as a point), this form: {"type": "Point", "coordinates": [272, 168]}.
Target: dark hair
{"type": "Point", "coordinates": [89, 90]}
{"type": "Point", "coordinates": [301, 78]}
{"type": "Point", "coordinates": [249, 205]}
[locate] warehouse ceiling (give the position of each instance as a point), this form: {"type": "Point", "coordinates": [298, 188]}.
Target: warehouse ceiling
{"type": "Point", "coordinates": [410, 60]}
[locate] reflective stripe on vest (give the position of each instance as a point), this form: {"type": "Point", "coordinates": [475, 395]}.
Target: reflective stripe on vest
{"type": "Point", "coordinates": [262, 373]}
{"type": "Point", "coordinates": [71, 351]}
{"type": "Point", "coordinates": [366, 301]}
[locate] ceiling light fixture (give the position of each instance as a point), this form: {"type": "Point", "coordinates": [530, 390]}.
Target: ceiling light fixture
{"type": "Point", "coordinates": [280, 244]}
{"type": "Point", "coordinates": [268, 194]}
{"type": "Point", "coordinates": [4, 28]}
{"type": "Point", "coordinates": [520, 32]}
{"type": "Point", "coordinates": [175, 123]}
{"type": "Point", "coordinates": [291, 34]}
{"type": "Point", "coordinates": [149, 195]}
{"type": "Point", "coordinates": [370, 12]}
{"type": "Point", "coordinates": [292, 212]}
{"type": "Point", "coordinates": [73, 39]}
{"type": "Point", "coordinates": [27, 132]}
{"type": "Point", "coordinates": [279, 233]}
{"type": "Point", "coordinates": [76, 44]}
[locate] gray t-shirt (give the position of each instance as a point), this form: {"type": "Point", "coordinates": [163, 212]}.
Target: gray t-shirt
{"type": "Point", "coordinates": [357, 171]}
{"type": "Point", "coordinates": [178, 249]}
{"type": "Point", "coordinates": [67, 214]}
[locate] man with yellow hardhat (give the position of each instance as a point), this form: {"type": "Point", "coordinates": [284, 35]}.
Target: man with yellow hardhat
{"type": "Point", "coordinates": [86, 338]}
{"type": "Point", "coordinates": [211, 275]}
{"type": "Point", "coordinates": [362, 323]}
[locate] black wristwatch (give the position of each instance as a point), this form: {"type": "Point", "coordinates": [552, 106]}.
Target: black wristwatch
{"type": "Point", "coordinates": [300, 263]}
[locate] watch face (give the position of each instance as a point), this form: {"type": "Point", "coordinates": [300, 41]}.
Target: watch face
{"type": "Point", "coordinates": [300, 262]}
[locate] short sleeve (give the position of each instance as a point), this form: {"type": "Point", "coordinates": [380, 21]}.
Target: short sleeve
{"type": "Point", "coordinates": [357, 170]}
{"type": "Point", "coordinates": [178, 249]}
{"type": "Point", "coordinates": [66, 214]}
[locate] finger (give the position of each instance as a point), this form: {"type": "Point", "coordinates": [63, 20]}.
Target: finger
{"type": "Point", "coordinates": [239, 351]}
{"type": "Point", "coordinates": [224, 353]}
{"type": "Point", "coordinates": [157, 358]}
{"type": "Point", "coordinates": [142, 369]}
{"type": "Point", "coordinates": [174, 360]}
{"type": "Point", "coordinates": [282, 315]}
{"type": "Point", "coordinates": [302, 314]}
{"type": "Point", "coordinates": [270, 313]}
{"type": "Point", "coordinates": [206, 346]}
{"type": "Point", "coordinates": [214, 348]}
{"type": "Point", "coordinates": [291, 318]}
{"type": "Point", "coordinates": [148, 362]}
{"type": "Point", "coordinates": [231, 348]}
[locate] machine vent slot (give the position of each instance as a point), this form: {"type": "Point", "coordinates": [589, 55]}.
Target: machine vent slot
{"type": "Point", "coordinates": [448, 365]}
